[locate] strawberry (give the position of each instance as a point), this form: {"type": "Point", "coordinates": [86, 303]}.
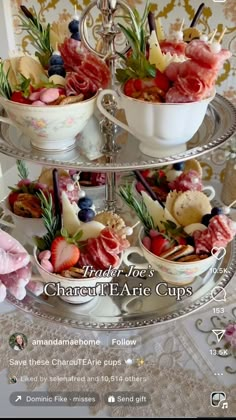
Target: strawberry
{"type": "Point", "coordinates": [63, 254]}
{"type": "Point", "coordinates": [147, 173]}
{"type": "Point", "coordinates": [18, 97]}
{"type": "Point", "coordinates": [162, 81]}
{"type": "Point", "coordinates": [12, 198]}
{"type": "Point", "coordinates": [24, 182]}
{"type": "Point", "coordinates": [159, 244]}
{"type": "Point", "coordinates": [129, 88]}
{"type": "Point", "coordinates": [181, 240]}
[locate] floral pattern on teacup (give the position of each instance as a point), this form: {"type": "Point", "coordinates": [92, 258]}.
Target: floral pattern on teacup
{"type": "Point", "coordinates": [169, 270]}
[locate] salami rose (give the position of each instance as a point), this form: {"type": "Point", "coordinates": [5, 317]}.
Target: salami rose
{"type": "Point", "coordinates": [103, 252]}
{"type": "Point", "coordinates": [86, 72]}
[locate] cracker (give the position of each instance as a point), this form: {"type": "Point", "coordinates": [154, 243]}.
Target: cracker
{"type": "Point", "coordinates": [190, 207]}
{"type": "Point", "coordinates": [170, 199]}
{"type": "Point", "coordinates": [58, 100]}
{"type": "Point", "coordinates": [184, 251]}
{"type": "Point", "coordinates": [72, 99]}
{"type": "Point", "coordinates": [189, 258]}
{"type": "Point", "coordinates": [193, 165]}
{"type": "Point", "coordinates": [170, 251]}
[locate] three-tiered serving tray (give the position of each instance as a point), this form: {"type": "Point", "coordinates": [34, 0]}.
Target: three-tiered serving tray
{"type": "Point", "coordinates": [114, 151]}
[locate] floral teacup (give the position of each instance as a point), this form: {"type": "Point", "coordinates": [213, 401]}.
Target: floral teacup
{"type": "Point", "coordinates": [174, 272]}
{"type": "Point", "coordinates": [51, 127]}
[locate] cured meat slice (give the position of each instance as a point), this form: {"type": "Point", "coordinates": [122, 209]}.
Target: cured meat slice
{"type": "Point", "coordinates": [200, 52]}
{"type": "Point", "coordinates": [218, 234]}
{"type": "Point", "coordinates": [69, 54]}
{"type": "Point", "coordinates": [79, 83]}
{"type": "Point", "coordinates": [173, 47]}
{"type": "Point", "coordinates": [103, 252]}
{"type": "Point", "coordinates": [190, 180]}
{"type": "Point", "coordinates": [87, 73]}
{"type": "Point", "coordinates": [175, 96]}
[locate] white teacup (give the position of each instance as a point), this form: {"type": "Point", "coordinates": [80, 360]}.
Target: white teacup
{"type": "Point", "coordinates": [174, 272]}
{"type": "Point", "coordinates": [157, 125]}
{"type": "Point", "coordinates": [51, 127]}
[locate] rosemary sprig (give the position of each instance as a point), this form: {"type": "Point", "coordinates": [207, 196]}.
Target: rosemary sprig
{"type": "Point", "coordinates": [5, 88]}
{"type": "Point", "coordinates": [40, 36]}
{"type": "Point", "coordinates": [137, 65]}
{"type": "Point", "coordinates": [51, 222]}
{"type": "Point", "coordinates": [138, 206]}
{"type": "Point", "coordinates": [23, 171]}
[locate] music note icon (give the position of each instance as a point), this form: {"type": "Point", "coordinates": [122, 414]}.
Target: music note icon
{"type": "Point", "coordinates": [225, 405]}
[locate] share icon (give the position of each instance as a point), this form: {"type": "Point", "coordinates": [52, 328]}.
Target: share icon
{"type": "Point", "coordinates": [219, 334]}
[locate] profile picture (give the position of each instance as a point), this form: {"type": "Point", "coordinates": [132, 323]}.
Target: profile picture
{"type": "Point", "coordinates": [13, 380]}
{"type": "Point", "coordinates": [18, 341]}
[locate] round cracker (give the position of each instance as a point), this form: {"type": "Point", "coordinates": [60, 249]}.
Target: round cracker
{"type": "Point", "coordinates": [46, 176]}
{"type": "Point", "coordinates": [170, 199]}
{"type": "Point", "coordinates": [190, 207]}
{"type": "Point", "coordinates": [193, 165]}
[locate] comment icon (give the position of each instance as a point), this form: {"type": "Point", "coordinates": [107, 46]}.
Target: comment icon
{"type": "Point", "coordinates": [218, 294]}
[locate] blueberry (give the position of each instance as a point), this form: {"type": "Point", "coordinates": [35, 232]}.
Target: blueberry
{"type": "Point", "coordinates": [86, 215]}
{"type": "Point", "coordinates": [56, 60]}
{"type": "Point", "coordinates": [85, 203]}
{"type": "Point", "coordinates": [76, 36]}
{"type": "Point", "coordinates": [74, 26]}
{"type": "Point", "coordinates": [190, 241]}
{"type": "Point", "coordinates": [206, 219]}
{"type": "Point", "coordinates": [216, 211]}
{"type": "Point", "coordinates": [60, 70]}
{"type": "Point", "coordinates": [179, 166]}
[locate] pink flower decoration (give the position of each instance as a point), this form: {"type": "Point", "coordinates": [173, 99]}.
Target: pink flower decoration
{"type": "Point", "coordinates": [230, 334]}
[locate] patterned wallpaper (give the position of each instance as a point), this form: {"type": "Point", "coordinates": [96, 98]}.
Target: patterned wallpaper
{"type": "Point", "coordinates": [216, 15]}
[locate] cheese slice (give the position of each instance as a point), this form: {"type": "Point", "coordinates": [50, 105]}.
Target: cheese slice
{"type": "Point", "coordinates": [155, 55]}
{"type": "Point", "coordinates": [155, 210]}
{"type": "Point", "coordinates": [10, 65]}
{"type": "Point", "coordinates": [70, 220]}
{"type": "Point", "coordinates": [31, 69]}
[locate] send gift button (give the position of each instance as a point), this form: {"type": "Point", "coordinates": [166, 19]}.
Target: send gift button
{"type": "Point", "coordinates": [134, 399]}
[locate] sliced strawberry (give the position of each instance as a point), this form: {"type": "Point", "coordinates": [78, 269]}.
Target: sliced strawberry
{"type": "Point", "coordinates": [159, 244]}
{"type": "Point", "coordinates": [64, 255]}
{"type": "Point", "coordinates": [12, 198]}
{"type": "Point", "coordinates": [18, 97]}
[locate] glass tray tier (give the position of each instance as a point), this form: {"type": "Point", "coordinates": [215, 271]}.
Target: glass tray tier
{"type": "Point", "coordinates": [127, 312]}
{"type": "Point", "coordinates": [218, 126]}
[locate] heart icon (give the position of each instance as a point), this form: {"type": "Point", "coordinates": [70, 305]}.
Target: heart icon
{"type": "Point", "coordinates": [218, 252]}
